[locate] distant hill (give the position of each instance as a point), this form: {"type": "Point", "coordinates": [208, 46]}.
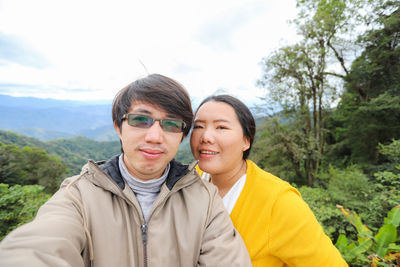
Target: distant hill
{"type": "Point", "coordinates": [74, 152]}
{"type": "Point", "coordinates": [33, 102]}
{"type": "Point", "coordinates": [47, 119]}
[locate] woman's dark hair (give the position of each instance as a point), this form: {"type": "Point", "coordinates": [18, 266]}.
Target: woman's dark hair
{"type": "Point", "coordinates": [243, 114]}
{"type": "Point", "coordinates": [157, 90]}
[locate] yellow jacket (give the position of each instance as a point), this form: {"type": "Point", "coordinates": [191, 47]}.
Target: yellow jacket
{"type": "Point", "coordinates": [278, 227]}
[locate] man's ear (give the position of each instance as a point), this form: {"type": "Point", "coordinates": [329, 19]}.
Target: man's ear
{"type": "Point", "coordinates": [119, 134]}
{"type": "Point", "coordinates": [117, 129]}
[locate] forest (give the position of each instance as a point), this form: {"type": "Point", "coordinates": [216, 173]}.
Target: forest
{"type": "Point", "coordinates": [329, 125]}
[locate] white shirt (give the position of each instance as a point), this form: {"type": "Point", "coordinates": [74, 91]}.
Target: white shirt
{"type": "Point", "coordinates": [233, 194]}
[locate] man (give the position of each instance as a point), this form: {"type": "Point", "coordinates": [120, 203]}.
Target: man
{"type": "Point", "coordinates": [141, 208]}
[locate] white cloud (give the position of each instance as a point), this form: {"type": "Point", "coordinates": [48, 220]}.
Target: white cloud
{"type": "Point", "coordinates": [98, 46]}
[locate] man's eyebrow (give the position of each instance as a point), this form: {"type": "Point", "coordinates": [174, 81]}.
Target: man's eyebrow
{"type": "Point", "coordinates": [147, 112]}
{"type": "Point", "coordinates": [142, 110]}
{"type": "Point", "coordinates": [171, 116]}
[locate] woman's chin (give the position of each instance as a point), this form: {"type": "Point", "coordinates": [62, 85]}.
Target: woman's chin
{"type": "Point", "coordinates": [207, 166]}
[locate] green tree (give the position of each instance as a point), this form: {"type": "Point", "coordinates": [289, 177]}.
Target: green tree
{"type": "Point", "coordinates": [73, 152]}
{"type": "Point", "coordinates": [299, 79]}
{"type": "Point", "coordinates": [277, 150]}
{"type": "Point", "coordinates": [305, 79]}
{"type": "Point", "coordinates": [369, 111]}
{"type": "Point", "coordinates": [18, 205]}
{"type": "Point", "coordinates": [30, 165]}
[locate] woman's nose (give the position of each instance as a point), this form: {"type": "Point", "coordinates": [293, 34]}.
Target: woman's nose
{"type": "Point", "coordinates": [207, 137]}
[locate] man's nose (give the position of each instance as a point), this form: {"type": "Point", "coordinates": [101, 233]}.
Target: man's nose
{"type": "Point", "coordinates": [155, 133]}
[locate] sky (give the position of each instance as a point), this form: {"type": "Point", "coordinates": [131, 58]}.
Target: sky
{"type": "Point", "coordinates": [90, 49]}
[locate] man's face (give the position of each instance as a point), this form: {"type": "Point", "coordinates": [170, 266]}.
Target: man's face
{"type": "Point", "coordinates": [147, 151]}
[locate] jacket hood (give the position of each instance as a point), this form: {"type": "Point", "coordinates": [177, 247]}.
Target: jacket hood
{"type": "Point", "coordinates": [111, 171]}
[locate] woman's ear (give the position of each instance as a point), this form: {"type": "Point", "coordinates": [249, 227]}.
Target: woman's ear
{"type": "Point", "coordinates": [246, 143]}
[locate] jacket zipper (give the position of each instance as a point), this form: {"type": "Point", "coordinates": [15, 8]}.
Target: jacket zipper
{"type": "Point", "coordinates": [144, 241]}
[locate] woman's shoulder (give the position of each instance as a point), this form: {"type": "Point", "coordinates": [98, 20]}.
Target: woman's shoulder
{"type": "Point", "coordinates": [265, 180]}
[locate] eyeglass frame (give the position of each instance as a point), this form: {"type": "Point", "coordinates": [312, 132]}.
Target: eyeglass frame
{"type": "Point", "coordinates": [153, 120]}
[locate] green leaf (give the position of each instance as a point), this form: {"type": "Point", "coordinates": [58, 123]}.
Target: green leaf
{"type": "Point", "coordinates": [394, 247]}
{"type": "Point", "coordinates": [393, 217]}
{"type": "Point", "coordinates": [355, 220]}
{"type": "Point", "coordinates": [364, 244]}
{"type": "Point", "coordinates": [341, 242]}
{"type": "Point", "coordinates": [384, 264]}
{"type": "Point", "coordinates": [387, 234]}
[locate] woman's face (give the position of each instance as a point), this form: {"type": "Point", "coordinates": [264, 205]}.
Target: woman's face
{"type": "Point", "coordinates": [217, 139]}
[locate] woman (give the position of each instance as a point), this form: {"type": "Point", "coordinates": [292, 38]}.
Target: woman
{"type": "Point", "coordinates": [277, 226]}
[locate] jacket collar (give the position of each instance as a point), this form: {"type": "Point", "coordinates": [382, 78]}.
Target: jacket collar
{"type": "Point", "coordinates": [111, 168]}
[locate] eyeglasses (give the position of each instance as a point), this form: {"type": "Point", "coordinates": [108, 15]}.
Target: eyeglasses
{"type": "Point", "coordinates": [142, 121]}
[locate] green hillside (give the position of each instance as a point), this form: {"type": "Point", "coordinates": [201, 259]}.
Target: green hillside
{"type": "Point", "coordinates": [73, 152]}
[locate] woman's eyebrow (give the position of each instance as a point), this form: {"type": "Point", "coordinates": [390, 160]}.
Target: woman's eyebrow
{"type": "Point", "coordinates": [221, 120]}
{"type": "Point", "coordinates": [214, 121]}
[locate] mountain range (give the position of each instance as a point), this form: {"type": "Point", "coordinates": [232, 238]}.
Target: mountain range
{"type": "Point", "coordinates": [48, 119]}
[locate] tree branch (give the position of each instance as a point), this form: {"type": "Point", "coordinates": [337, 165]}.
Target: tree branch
{"type": "Point", "coordinates": [334, 74]}
{"type": "Point", "coordinates": [339, 57]}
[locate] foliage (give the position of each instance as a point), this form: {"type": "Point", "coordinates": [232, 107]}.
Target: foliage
{"type": "Point", "coordinates": [30, 165]}
{"type": "Point", "coordinates": [184, 154]}
{"type": "Point", "coordinates": [323, 207]}
{"type": "Point", "coordinates": [381, 249]}
{"type": "Point", "coordinates": [392, 151]}
{"type": "Point", "coordinates": [299, 79]}
{"type": "Point", "coordinates": [377, 69]}
{"type": "Point", "coordinates": [350, 187]}
{"type": "Point", "coordinates": [305, 78]}
{"type": "Point", "coordinates": [18, 205]}
{"type": "Point", "coordinates": [388, 185]}
{"type": "Point", "coordinates": [277, 149]}
{"type": "Point", "coordinates": [363, 126]}
{"type": "Point", "coordinates": [369, 111]}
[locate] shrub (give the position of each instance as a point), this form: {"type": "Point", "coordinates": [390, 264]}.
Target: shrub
{"type": "Point", "coordinates": [380, 249]}
{"type": "Point", "coordinates": [18, 205]}
{"type": "Point", "coordinates": [324, 209]}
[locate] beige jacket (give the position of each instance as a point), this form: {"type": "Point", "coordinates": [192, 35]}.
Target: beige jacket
{"type": "Point", "coordinates": [94, 216]}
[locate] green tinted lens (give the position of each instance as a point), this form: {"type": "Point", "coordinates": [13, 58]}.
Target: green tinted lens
{"type": "Point", "coordinates": [139, 121]}
{"type": "Point", "coordinates": [142, 121]}
{"type": "Point", "coordinates": [172, 126]}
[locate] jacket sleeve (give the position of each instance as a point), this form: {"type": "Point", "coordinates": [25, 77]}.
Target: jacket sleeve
{"type": "Point", "coordinates": [296, 237]}
{"type": "Point", "coordinates": [222, 245]}
{"type": "Point", "coordinates": [54, 238]}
